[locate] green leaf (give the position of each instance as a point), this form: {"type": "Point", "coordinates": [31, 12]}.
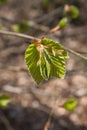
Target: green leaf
{"type": "Point", "coordinates": [57, 66]}
{"type": "Point", "coordinates": [46, 59]}
{"type": "Point", "coordinates": [63, 22]}
{"type": "Point", "coordinates": [45, 68]}
{"type": "Point", "coordinates": [70, 104]}
{"type": "Point", "coordinates": [32, 57]}
{"type": "Point", "coordinates": [73, 13]}
{"type": "Point", "coordinates": [58, 49]}
{"type": "Point", "coordinates": [4, 100]}
{"type": "Point", "coordinates": [56, 55]}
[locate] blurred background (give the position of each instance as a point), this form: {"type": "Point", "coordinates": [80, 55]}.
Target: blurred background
{"type": "Point", "coordinates": [30, 104]}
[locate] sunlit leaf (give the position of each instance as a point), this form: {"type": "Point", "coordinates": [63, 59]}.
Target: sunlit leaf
{"type": "Point", "coordinates": [32, 58]}
{"type": "Point", "coordinates": [4, 100]}
{"type": "Point", "coordinates": [45, 68]}
{"type": "Point", "coordinates": [51, 45]}
{"type": "Point", "coordinates": [46, 59]}
{"type": "Point", "coordinates": [70, 104]}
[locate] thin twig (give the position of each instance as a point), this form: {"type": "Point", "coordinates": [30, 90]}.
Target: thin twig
{"type": "Point", "coordinates": [32, 38]}
{"type": "Point", "coordinates": [84, 53]}
{"type": "Point", "coordinates": [76, 53]}
{"type": "Point", "coordinates": [17, 35]}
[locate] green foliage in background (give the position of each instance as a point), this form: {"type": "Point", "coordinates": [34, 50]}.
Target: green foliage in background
{"type": "Point", "coordinates": [1, 27]}
{"type": "Point", "coordinates": [3, 1]}
{"type": "Point", "coordinates": [70, 104]}
{"type": "Point", "coordinates": [4, 100]}
{"type": "Point", "coordinates": [21, 27]}
{"type": "Point", "coordinates": [46, 59]}
{"type": "Point", "coordinates": [73, 13]}
{"type": "Point", "coordinates": [63, 22]}
{"type": "Point", "coordinates": [45, 3]}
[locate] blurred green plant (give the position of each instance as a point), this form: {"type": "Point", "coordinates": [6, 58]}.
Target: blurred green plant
{"type": "Point", "coordinates": [3, 1]}
{"type": "Point", "coordinates": [21, 27]}
{"type": "Point", "coordinates": [71, 11]}
{"type": "Point", "coordinates": [4, 100]}
{"type": "Point", "coordinates": [45, 3]}
{"type": "Point", "coordinates": [70, 104]}
{"type": "Point", "coordinates": [1, 27]}
{"type": "Point", "coordinates": [62, 24]}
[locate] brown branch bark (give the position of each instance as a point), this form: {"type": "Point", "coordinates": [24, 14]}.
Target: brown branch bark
{"type": "Point", "coordinates": [32, 38]}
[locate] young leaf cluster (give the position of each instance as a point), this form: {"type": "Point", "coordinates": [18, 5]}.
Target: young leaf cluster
{"type": "Point", "coordinates": [45, 58]}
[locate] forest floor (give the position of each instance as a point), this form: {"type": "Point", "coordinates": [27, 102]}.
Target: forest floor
{"type": "Point", "coordinates": [31, 104]}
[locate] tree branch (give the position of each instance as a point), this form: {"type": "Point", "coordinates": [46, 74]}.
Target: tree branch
{"type": "Point", "coordinates": [32, 38]}
{"type": "Point", "coordinates": [17, 35]}
{"type": "Point", "coordinates": [76, 53]}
